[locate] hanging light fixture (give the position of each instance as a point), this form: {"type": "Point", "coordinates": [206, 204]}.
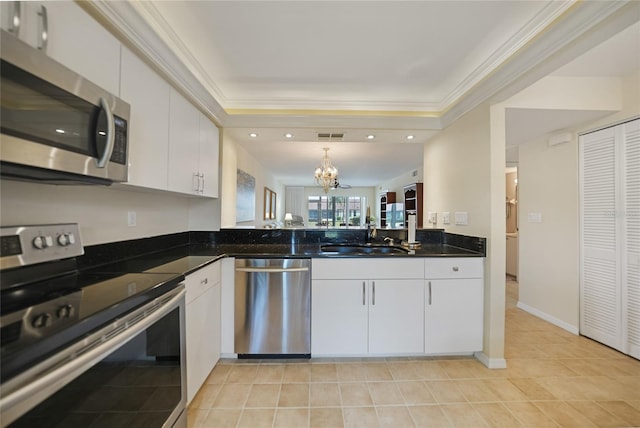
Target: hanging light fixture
{"type": "Point", "coordinates": [326, 174]}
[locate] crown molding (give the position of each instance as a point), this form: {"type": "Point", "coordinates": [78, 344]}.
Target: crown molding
{"type": "Point", "coordinates": [319, 119]}
{"type": "Point", "coordinates": [138, 25]}
{"type": "Point", "coordinates": [346, 105]}
{"type": "Point", "coordinates": [510, 47]}
{"type": "Point", "coordinates": [574, 32]}
{"type": "Point", "coordinates": [530, 53]}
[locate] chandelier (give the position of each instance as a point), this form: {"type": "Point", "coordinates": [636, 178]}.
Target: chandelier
{"type": "Point", "coordinates": [326, 174]}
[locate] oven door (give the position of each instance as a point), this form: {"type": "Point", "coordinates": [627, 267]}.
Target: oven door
{"type": "Point", "coordinates": [111, 378]}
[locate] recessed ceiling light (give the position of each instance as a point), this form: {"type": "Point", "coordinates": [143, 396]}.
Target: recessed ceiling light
{"type": "Point", "coordinates": [370, 137]}
{"type": "Point", "coordinates": [253, 135]}
{"type": "Point", "coordinates": [288, 135]}
{"type": "Point", "coordinates": [410, 137]}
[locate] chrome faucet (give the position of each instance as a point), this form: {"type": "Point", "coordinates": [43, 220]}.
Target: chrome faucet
{"type": "Point", "coordinates": [371, 232]}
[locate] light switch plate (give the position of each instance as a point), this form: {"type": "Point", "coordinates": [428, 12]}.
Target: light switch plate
{"type": "Point", "coordinates": [432, 217]}
{"type": "Point", "coordinates": [534, 217]}
{"type": "Point", "coordinates": [446, 217]}
{"type": "Point", "coordinates": [131, 218]}
{"type": "Point", "coordinates": [461, 218]}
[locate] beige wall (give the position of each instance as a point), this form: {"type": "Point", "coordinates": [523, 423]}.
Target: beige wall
{"type": "Point", "coordinates": [463, 171]}
{"type": "Point", "coordinates": [100, 211]}
{"type": "Point", "coordinates": [548, 270]}
{"type": "Point", "coordinates": [235, 157]}
{"type": "Point", "coordinates": [456, 173]}
{"type": "Point", "coordinates": [549, 274]}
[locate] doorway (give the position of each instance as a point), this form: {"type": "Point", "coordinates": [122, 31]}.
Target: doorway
{"type": "Point", "coordinates": [511, 215]}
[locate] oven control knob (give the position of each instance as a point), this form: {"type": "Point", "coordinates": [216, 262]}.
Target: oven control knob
{"type": "Point", "coordinates": [42, 320]}
{"type": "Point", "coordinates": [65, 311]}
{"type": "Point", "coordinates": [63, 240]}
{"type": "Point", "coordinates": [42, 242]}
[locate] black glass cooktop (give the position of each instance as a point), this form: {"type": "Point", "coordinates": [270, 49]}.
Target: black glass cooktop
{"type": "Point", "coordinates": [40, 318]}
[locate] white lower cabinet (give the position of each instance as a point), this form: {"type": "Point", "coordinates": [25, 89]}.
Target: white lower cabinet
{"type": "Point", "coordinates": [403, 306]}
{"type": "Point", "coordinates": [396, 316]}
{"type": "Point", "coordinates": [355, 316]}
{"type": "Point", "coordinates": [454, 306]}
{"type": "Point", "coordinates": [203, 330]}
{"type": "Point", "coordinates": [339, 317]}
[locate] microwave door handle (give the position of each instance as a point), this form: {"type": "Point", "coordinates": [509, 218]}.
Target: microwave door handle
{"type": "Point", "coordinates": [43, 29]}
{"type": "Point", "coordinates": [101, 162]}
{"type": "Point", "coordinates": [15, 15]}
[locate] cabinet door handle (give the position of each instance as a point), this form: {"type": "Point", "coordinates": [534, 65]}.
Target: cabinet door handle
{"type": "Point", "coordinates": [15, 12]}
{"type": "Point", "coordinates": [202, 182]}
{"type": "Point", "coordinates": [43, 29]}
{"type": "Point", "coordinates": [455, 269]}
{"type": "Point", "coordinates": [204, 281]}
{"type": "Point", "coordinates": [429, 293]}
{"type": "Point", "coordinates": [196, 182]}
{"type": "Point", "coordinates": [373, 294]}
{"type": "Point", "coordinates": [364, 299]}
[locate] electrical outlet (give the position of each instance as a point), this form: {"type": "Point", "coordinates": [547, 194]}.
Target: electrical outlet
{"type": "Point", "coordinates": [131, 219]}
{"type": "Point", "coordinates": [446, 217]}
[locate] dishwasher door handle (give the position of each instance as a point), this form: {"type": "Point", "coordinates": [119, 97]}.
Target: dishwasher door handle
{"type": "Point", "coordinates": [271, 270]}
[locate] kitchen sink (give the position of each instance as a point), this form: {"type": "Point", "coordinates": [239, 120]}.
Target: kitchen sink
{"type": "Point", "coordinates": [362, 249]}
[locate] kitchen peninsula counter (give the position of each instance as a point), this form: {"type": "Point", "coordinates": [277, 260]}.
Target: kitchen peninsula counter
{"type": "Point", "coordinates": [187, 252]}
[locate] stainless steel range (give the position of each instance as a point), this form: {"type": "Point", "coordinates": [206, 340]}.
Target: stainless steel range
{"type": "Point", "coordinates": [82, 348]}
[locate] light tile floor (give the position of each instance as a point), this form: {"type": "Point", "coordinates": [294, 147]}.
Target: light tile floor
{"type": "Point", "coordinates": [553, 379]}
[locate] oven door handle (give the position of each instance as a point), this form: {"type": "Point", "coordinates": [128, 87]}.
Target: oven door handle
{"type": "Point", "coordinates": [271, 270]}
{"type": "Point", "coordinates": [72, 366]}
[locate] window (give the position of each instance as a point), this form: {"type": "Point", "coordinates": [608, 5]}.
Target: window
{"type": "Point", "coordinates": [336, 211]}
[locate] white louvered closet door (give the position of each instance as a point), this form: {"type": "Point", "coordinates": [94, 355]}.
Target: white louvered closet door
{"type": "Point", "coordinates": [600, 297]}
{"type": "Point", "coordinates": [631, 237]}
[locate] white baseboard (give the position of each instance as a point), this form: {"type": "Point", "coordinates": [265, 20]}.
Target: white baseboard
{"type": "Point", "coordinates": [553, 320]}
{"type": "Point", "coordinates": [491, 363]}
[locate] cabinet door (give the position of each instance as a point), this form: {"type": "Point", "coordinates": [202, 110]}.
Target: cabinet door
{"type": "Point", "coordinates": [76, 40]}
{"type": "Point", "coordinates": [208, 157]}
{"type": "Point", "coordinates": [453, 317]}
{"type": "Point", "coordinates": [148, 95]}
{"type": "Point", "coordinates": [202, 340]}
{"type": "Point", "coordinates": [202, 325]}
{"type": "Point", "coordinates": [184, 142]}
{"type": "Point", "coordinates": [339, 317]}
{"type": "Point", "coordinates": [396, 316]}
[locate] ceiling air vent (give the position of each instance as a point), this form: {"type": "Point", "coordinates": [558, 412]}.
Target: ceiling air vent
{"type": "Point", "coordinates": [330, 136]}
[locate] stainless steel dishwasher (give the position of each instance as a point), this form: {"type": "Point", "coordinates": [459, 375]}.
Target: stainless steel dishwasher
{"type": "Point", "coordinates": [273, 308]}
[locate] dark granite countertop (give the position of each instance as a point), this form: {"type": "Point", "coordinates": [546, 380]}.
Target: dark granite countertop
{"type": "Point", "coordinates": [186, 253]}
{"type": "Point", "coordinates": [313, 250]}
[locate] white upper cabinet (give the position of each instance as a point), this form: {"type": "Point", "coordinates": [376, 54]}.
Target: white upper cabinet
{"type": "Point", "coordinates": [193, 149]}
{"type": "Point", "coordinates": [208, 157]}
{"type": "Point", "coordinates": [148, 95]}
{"type": "Point", "coordinates": [74, 39]}
{"type": "Point", "coordinates": [184, 142]}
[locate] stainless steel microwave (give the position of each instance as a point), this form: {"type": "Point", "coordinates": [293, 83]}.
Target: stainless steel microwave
{"type": "Point", "coordinates": [56, 126]}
